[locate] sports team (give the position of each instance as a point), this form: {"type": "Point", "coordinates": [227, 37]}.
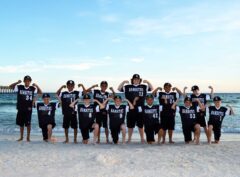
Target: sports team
{"type": "Point", "coordinates": [91, 109]}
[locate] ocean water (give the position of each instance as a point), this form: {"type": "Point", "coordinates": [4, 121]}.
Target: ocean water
{"type": "Point", "coordinates": [231, 124]}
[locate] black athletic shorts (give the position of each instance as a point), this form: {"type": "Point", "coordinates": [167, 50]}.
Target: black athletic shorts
{"type": "Point", "coordinates": [134, 118]}
{"type": "Point", "coordinates": [201, 119]}
{"type": "Point", "coordinates": [168, 122]}
{"type": "Point", "coordinates": [24, 118]}
{"type": "Point", "coordinates": [216, 129]}
{"type": "Point", "coordinates": [86, 131]}
{"type": "Point", "coordinates": [70, 120]}
{"type": "Point", "coordinates": [187, 132]}
{"type": "Point", "coordinates": [102, 119]}
{"type": "Point", "coordinates": [151, 131]}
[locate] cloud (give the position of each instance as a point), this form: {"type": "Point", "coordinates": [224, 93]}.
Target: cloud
{"type": "Point", "coordinates": [186, 21]}
{"type": "Point", "coordinates": [43, 66]}
{"type": "Point", "coordinates": [137, 60]}
{"type": "Point", "coordinates": [109, 18]}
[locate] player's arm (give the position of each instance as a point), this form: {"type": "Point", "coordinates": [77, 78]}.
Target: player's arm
{"type": "Point", "coordinates": [101, 105]}
{"type": "Point", "coordinates": [13, 85]}
{"type": "Point", "coordinates": [83, 87]}
{"type": "Point", "coordinates": [72, 105]}
{"type": "Point", "coordinates": [150, 86]}
{"type": "Point", "coordinates": [156, 90]}
{"type": "Point", "coordinates": [212, 92]}
{"type": "Point", "coordinates": [39, 90]}
{"type": "Point", "coordinates": [90, 89]}
{"type": "Point", "coordinates": [113, 91]}
{"type": "Point", "coordinates": [106, 101]}
{"type": "Point", "coordinates": [231, 110]}
{"type": "Point", "coordinates": [60, 89]}
{"type": "Point", "coordinates": [178, 91]}
{"type": "Point", "coordinates": [201, 106]}
{"type": "Point", "coordinates": [184, 94]}
{"type": "Point", "coordinates": [130, 104]}
{"type": "Point", "coordinates": [120, 87]}
{"type": "Point", "coordinates": [175, 104]}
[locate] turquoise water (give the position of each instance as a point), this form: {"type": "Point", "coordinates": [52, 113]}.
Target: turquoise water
{"type": "Point", "coordinates": [8, 112]}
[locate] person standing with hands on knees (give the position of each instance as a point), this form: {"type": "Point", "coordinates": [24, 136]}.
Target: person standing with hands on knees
{"type": "Point", "coordinates": [26, 96]}
{"type": "Point", "coordinates": [204, 98]}
{"type": "Point", "coordinates": [135, 92]}
{"type": "Point", "coordinates": [69, 114]}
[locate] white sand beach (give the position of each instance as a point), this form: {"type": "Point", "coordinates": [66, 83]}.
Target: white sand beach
{"type": "Point", "coordinates": [135, 160]}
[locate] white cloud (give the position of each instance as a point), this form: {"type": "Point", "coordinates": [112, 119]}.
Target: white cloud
{"type": "Point", "coordinates": [109, 18]}
{"type": "Point", "coordinates": [43, 66]}
{"type": "Point", "coordinates": [188, 21]}
{"type": "Point", "coordinates": [137, 60]}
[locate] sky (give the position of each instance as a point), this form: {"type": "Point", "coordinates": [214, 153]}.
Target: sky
{"type": "Point", "coordinates": [187, 42]}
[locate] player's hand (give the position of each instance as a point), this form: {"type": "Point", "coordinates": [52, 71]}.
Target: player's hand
{"type": "Point", "coordinates": [96, 85]}
{"type": "Point", "coordinates": [126, 82]}
{"type": "Point", "coordinates": [80, 85]}
{"type": "Point", "coordinates": [64, 86]}
{"type": "Point", "coordinates": [145, 81]}
{"type": "Point", "coordinates": [160, 88]}
{"type": "Point", "coordinates": [111, 88]}
{"type": "Point", "coordinates": [174, 89]}
{"type": "Point", "coordinates": [185, 88]}
{"type": "Point", "coordinates": [34, 85]}
{"type": "Point", "coordinates": [210, 87]}
{"type": "Point", "coordinates": [19, 81]}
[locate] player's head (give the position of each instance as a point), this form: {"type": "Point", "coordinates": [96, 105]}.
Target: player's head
{"type": "Point", "coordinates": [150, 99]}
{"type": "Point", "coordinates": [70, 85]}
{"type": "Point", "coordinates": [117, 100]}
{"type": "Point", "coordinates": [46, 98]}
{"type": "Point", "coordinates": [136, 79]}
{"type": "Point", "coordinates": [195, 89]}
{"type": "Point", "coordinates": [217, 101]}
{"type": "Point", "coordinates": [27, 81]}
{"type": "Point", "coordinates": [167, 87]}
{"type": "Point", "coordinates": [188, 102]}
{"type": "Point", "coordinates": [104, 85]}
{"type": "Point", "coordinates": [86, 99]}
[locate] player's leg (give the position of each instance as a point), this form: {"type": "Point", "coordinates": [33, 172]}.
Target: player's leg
{"type": "Point", "coordinates": [197, 130]}
{"type": "Point", "coordinates": [20, 122]}
{"type": "Point", "coordinates": [210, 129]}
{"type": "Point", "coordinates": [49, 128]}
{"type": "Point", "coordinates": [123, 129]}
{"type": "Point", "coordinates": [66, 125]}
{"type": "Point", "coordinates": [74, 126]}
{"type": "Point", "coordinates": [95, 126]}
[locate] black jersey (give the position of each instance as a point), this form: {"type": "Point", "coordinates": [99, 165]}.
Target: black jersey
{"type": "Point", "coordinates": [25, 97]}
{"type": "Point", "coordinates": [216, 115]}
{"type": "Point", "coordinates": [133, 91]}
{"type": "Point", "coordinates": [117, 115]}
{"type": "Point", "coordinates": [171, 98]}
{"type": "Point", "coordinates": [100, 96]}
{"type": "Point", "coordinates": [67, 98]}
{"type": "Point", "coordinates": [151, 114]}
{"type": "Point", "coordinates": [46, 113]}
{"type": "Point", "coordinates": [188, 115]}
{"type": "Point", "coordinates": [86, 115]}
{"type": "Point", "coordinates": [203, 98]}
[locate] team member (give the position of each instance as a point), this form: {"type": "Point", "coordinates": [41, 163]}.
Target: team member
{"type": "Point", "coordinates": [25, 100]}
{"type": "Point", "coordinates": [203, 98]}
{"type": "Point", "coordinates": [151, 117]}
{"type": "Point", "coordinates": [188, 114]}
{"type": "Point", "coordinates": [216, 116]}
{"type": "Point", "coordinates": [166, 100]}
{"type": "Point", "coordinates": [69, 114]}
{"type": "Point", "coordinates": [135, 93]}
{"type": "Point", "coordinates": [87, 116]}
{"type": "Point", "coordinates": [101, 95]}
{"type": "Point", "coordinates": [46, 117]}
{"type": "Point", "coordinates": [117, 114]}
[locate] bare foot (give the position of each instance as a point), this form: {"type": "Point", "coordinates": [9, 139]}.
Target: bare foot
{"type": "Point", "coordinates": [20, 139]}
{"type": "Point", "coordinates": [143, 141]}
{"type": "Point", "coordinates": [75, 141]}
{"type": "Point", "coordinates": [66, 141]}
{"type": "Point", "coordinates": [171, 142]}
{"type": "Point", "coordinates": [28, 140]}
{"type": "Point", "coordinates": [129, 141]}
{"type": "Point", "coordinates": [163, 142]}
